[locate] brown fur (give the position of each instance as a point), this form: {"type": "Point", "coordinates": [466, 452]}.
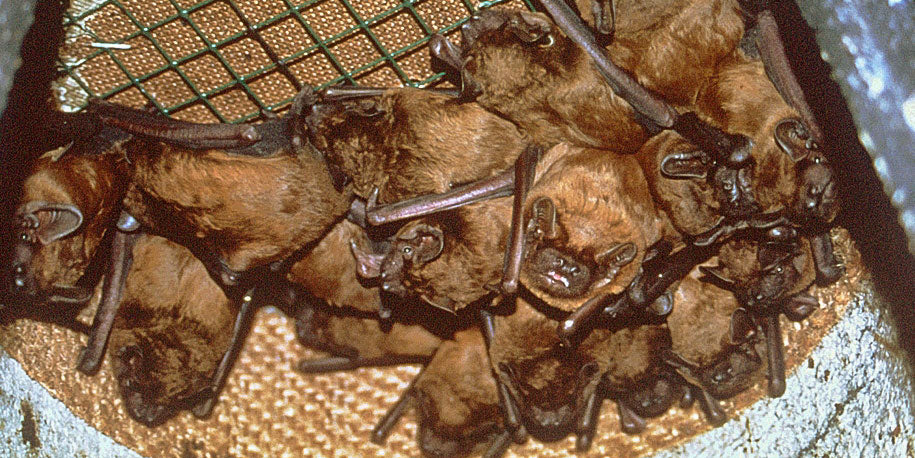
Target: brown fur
{"type": "Point", "coordinates": [674, 46]}
{"type": "Point", "coordinates": [547, 381]}
{"type": "Point", "coordinates": [553, 93]}
{"type": "Point", "coordinates": [93, 183]}
{"type": "Point", "coordinates": [249, 211]}
{"type": "Point", "coordinates": [741, 261]}
{"type": "Point", "coordinates": [171, 331]}
{"type": "Point", "coordinates": [475, 238]}
{"type": "Point", "coordinates": [742, 100]}
{"type": "Point", "coordinates": [415, 142]}
{"type": "Point", "coordinates": [457, 399]}
{"type": "Point", "coordinates": [328, 271]}
{"type": "Point", "coordinates": [602, 200]}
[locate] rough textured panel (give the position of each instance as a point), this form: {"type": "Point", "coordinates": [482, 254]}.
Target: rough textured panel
{"type": "Point", "coordinates": [15, 19]}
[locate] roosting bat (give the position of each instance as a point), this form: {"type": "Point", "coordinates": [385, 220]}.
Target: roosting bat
{"type": "Point", "coordinates": [714, 342]}
{"type": "Point", "coordinates": [409, 142]}
{"type": "Point", "coordinates": [69, 201]}
{"type": "Point", "coordinates": [172, 329]}
{"type": "Point", "coordinates": [449, 260]}
{"type": "Point", "coordinates": [520, 65]}
{"type": "Point", "coordinates": [69, 206]}
{"type": "Point", "coordinates": [551, 390]}
{"type": "Point", "coordinates": [242, 195]}
{"type": "Point", "coordinates": [454, 395]}
{"type": "Point", "coordinates": [769, 278]}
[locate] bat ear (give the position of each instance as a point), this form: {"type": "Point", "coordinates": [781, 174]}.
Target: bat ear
{"type": "Point", "coordinates": [446, 51]}
{"type": "Point", "coordinates": [619, 255]}
{"type": "Point", "coordinates": [529, 27]}
{"type": "Point", "coordinates": [368, 265]}
{"type": "Point", "coordinates": [543, 219]}
{"type": "Point", "coordinates": [427, 242]}
{"type": "Point", "coordinates": [742, 327]}
{"type": "Point", "coordinates": [50, 222]}
{"type": "Point", "coordinates": [685, 165]}
{"type": "Point", "coordinates": [793, 138]}
{"type": "Point", "coordinates": [716, 273]}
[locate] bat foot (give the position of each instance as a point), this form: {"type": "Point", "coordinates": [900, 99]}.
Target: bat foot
{"type": "Point", "coordinates": [88, 361]}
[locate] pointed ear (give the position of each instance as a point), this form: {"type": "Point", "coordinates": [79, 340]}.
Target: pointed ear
{"type": "Point", "coordinates": [543, 219]}
{"type": "Point", "coordinates": [716, 274]}
{"type": "Point", "coordinates": [445, 50]}
{"type": "Point", "coordinates": [529, 27]}
{"type": "Point", "coordinates": [368, 265]}
{"type": "Point", "coordinates": [685, 165]}
{"type": "Point", "coordinates": [742, 327]}
{"type": "Point", "coordinates": [792, 137]}
{"type": "Point", "coordinates": [427, 241]}
{"type": "Point", "coordinates": [51, 221]}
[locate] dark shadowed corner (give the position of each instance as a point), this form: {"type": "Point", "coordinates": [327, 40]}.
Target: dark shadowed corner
{"type": "Point", "coordinates": [867, 212]}
{"type": "Point", "coordinates": [24, 129]}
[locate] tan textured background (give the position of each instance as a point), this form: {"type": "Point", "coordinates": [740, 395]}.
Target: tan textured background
{"type": "Point", "coordinates": [267, 409]}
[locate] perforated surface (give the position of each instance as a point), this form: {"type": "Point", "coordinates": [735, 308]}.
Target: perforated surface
{"type": "Point", "coordinates": [224, 60]}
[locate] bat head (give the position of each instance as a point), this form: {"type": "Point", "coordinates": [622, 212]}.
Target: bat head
{"type": "Point", "coordinates": [588, 223]}
{"type": "Point", "coordinates": [67, 204]}
{"type": "Point", "coordinates": [815, 200]}
{"type": "Point", "coordinates": [413, 246]}
{"type": "Point", "coordinates": [763, 274]}
{"type": "Point", "coordinates": [504, 51]}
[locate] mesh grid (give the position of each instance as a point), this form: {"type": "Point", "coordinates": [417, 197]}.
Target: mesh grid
{"type": "Point", "coordinates": [226, 60]}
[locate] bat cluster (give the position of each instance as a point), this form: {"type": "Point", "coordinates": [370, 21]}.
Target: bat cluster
{"type": "Point", "coordinates": [620, 210]}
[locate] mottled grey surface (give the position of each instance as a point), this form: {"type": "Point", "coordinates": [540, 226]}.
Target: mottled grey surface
{"type": "Point", "coordinates": [852, 398]}
{"type": "Point", "coordinates": [34, 424]}
{"type": "Point", "coordinates": [15, 19]}
{"type": "Point", "coordinates": [870, 47]}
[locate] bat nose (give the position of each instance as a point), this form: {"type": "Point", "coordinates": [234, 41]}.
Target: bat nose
{"type": "Point", "coordinates": [19, 280]}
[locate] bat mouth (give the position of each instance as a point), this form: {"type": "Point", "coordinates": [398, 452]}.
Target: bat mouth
{"type": "Point", "coordinates": [557, 279]}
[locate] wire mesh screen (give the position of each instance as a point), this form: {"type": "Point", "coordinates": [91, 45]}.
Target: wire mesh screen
{"type": "Point", "coordinates": [226, 60]}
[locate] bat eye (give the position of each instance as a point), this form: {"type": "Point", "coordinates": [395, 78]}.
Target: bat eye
{"type": "Point", "coordinates": [558, 262]}
{"type": "Point", "coordinates": [407, 250]}
{"type": "Point", "coordinates": [779, 270]}
{"type": "Point", "coordinates": [574, 270]}
{"type": "Point", "coordinates": [23, 236]}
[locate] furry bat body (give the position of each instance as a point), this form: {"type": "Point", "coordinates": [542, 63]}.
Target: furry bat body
{"type": "Point", "coordinates": [454, 395]}
{"type": "Point", "coordinates": [68, 203]}
{"type": "Point", "coordinates": [238, 208]}
{"type": "Point", "coordinates": [449, 260]}
{"type": "Point", "coordinates": [555, 388]}
{"type": "Point", "coordinates": [410, 142]}
{"type": "Point", "coordinates": [171, 332]}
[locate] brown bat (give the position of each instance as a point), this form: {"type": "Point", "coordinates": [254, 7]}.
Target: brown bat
{"type": "Point", "coordinates": [769, 278]}
{"type": "Point", "coordinates": [173, 327]}
{"type": "Point", "coordinates": [449, 260]}
{"type": "Point", "coordinates": [241, 200]}
{"type": "Point", "coordinates": [407, 142]}
{"type": "Point", "coordinates": [714, 342]}
{"type": "Point", "coordinates": [68, 203]}
{"type": "Point", "coordinates": [69, 207]}
{"type": "Point", "coordinates": [455, 394]}
{"type": "Point", "coordinates": [520, 65]}
{"type": "Point", "coordinates": [551, 390]}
